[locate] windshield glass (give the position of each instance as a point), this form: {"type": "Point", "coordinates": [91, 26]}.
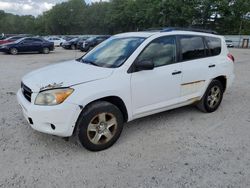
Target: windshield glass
{"type": "Point", "coordinates": [113, 52]}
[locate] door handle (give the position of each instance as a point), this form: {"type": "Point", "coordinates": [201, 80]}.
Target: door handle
{"type": "Point", "coordinates": [211, 66]}
{"type": "Point", "coordinates": [176, 72]}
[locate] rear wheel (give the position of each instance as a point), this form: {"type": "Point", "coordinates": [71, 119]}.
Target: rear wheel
{"type": "Point", "coordinates": [45, 50]}
{"type": "Point", "coordinates": [99, 126]}
{"type": "Point", "coordinates": [13, 51]}
{"type": "Point", "coordinates": [212, 97]}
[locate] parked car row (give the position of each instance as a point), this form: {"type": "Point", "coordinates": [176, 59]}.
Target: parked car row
{"type": "Point", "coordinates": [18, 44]}
{"type": "Point", "coordinates": [84, 43]}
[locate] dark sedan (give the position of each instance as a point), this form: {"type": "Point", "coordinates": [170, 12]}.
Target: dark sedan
{"type": "Point", "coordinates": [71, 44]}
{"type": "Point", "coordinates": [81, 41]}
{"type": "Point", "coordinates": [92, 42]}
{"type": "Point", "coordinates": [28, 45]}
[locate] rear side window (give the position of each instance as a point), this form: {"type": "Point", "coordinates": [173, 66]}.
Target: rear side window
{"type": "Point", "coordinates": [192, 47]}
{"type": "Point", "coordinates": [214, 45]}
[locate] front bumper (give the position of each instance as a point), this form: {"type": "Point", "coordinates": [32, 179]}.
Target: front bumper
{"type": "Point", "coordinates": [4, 50]}
{"type": "Point", "coordinates": [66, 46]}
{"type": "Point", "coordinates": [57, 120]}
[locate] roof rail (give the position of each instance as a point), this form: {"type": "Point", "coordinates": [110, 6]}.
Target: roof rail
{"type": "Point", "coordinates": [169, 29]}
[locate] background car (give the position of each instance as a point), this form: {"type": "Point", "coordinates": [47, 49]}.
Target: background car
{"type": "Point", "coordinates": [10, 39]}
{"type": "Point", "coordinates": [229, 43]}
{"type": "Point", "coordinates": [92, 42]}
{"type": "Point", "coordinates": [28, 44]}
{"type": "Point", "coordinates": [56, 40]}
{"type": "Point", "coordinates": [80, 42]}
{"type": "Point", "coordinates": [71, 44]}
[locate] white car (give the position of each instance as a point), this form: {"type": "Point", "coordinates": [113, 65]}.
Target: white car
{"type": "Point", "coordinates": [126, 77]}
{"type": "Point", "coordinates": [229, 44]}
{"type": "Point", "coordinates": [57, 41]}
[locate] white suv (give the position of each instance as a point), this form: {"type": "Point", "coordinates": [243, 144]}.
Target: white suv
{"type": "Point", "coordinates": [128, 76]}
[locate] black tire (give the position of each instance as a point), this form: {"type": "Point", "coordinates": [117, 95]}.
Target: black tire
{"type": "Point", "coordinates": [90, 117]}
{"type": "Point", "coordinates": [206, 104]}
{"type": "Point", "coordinates": [46, 50]}
{"type": "Point", "coordinates": [73, 47]}
{"type": "Point", "coordinates": [13, 51]}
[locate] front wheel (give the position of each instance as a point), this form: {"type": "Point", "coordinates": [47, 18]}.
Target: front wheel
{"type": "Point", "coordinates": [13, 51]}
{"type": "Point", "coordinates": [212, 97]}
{"type": "Point", "coordinates": [99, 125]}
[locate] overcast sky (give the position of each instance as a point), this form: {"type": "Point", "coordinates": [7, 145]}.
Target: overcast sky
{"type": "Point", "coordinates": [27, 7]}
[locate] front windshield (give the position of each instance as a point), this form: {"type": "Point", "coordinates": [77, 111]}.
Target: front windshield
{"type": "Point", "coordinates": [113, 52]}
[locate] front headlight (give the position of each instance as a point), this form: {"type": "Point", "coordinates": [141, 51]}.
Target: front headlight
{"type": "Point", "coordinates": [53, 97]}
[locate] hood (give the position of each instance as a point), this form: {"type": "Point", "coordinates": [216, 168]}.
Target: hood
{"type": "Point", "coordinates": [64, 75]}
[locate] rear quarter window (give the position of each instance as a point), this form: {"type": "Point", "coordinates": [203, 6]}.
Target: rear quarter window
{"type": "Point", "coordinates": [192, 47]}
{"type": "Point", "coordinates": [214, 45]}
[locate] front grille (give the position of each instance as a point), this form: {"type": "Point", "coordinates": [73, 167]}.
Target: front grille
{"type": "Point", "coordinates": [26, 92]}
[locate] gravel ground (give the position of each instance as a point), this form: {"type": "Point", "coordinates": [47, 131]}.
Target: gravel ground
{"type": "Point", "coordinates": [178, 148]}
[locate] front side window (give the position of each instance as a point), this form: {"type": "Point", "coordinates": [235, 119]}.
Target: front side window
{"type": "Point", "coordinates": [214, 45]}
{"type": "Point", "coordinates": [161, 51]}
{"type": "Point", "coordinates": [113, 52]}
{"type": "Point", "coordinates": [192, 47]}
{"type": "Point", "coordinates": [37, 40]}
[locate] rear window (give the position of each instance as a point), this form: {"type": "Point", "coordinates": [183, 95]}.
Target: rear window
{"type": "Point", "coordinates": [214, 45]}
{"type": "Point", "coordinates": [192, 47]}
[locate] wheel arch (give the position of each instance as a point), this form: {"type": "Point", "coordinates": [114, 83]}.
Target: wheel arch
{"type": "Point", "coordinates": [223, 80]}
{"type": "Point", "coordinates": [115, 100]}
{"type": "Point", "coordinates": [118, 102]}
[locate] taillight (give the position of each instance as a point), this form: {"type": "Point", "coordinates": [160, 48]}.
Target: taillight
{"type": "Point", "coordinates": [230, 56]}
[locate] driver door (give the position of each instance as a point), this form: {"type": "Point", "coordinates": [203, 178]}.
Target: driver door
{"type": "Point", "coordinates": [154, 90]}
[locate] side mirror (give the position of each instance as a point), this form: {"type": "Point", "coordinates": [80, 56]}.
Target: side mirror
{"type": "Point", "coordinates": [144, 65]}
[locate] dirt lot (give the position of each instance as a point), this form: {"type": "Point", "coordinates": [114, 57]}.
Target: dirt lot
{"type": "Point", "coordinates": [178, 148]}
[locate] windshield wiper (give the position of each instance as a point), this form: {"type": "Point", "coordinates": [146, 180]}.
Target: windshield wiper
{"type": "Point", "coordinates": [89, 62]}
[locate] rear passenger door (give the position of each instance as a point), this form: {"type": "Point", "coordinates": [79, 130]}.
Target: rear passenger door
{"type": "Point", "coordinates": [215, 61]}
{"type": "Point", "coordinates": [194, 62]}
{"type": "Point", "coordinates": [36, 45]}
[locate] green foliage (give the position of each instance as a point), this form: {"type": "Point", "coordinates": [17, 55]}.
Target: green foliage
{"type": "Point", "coordinates": [76, 17]}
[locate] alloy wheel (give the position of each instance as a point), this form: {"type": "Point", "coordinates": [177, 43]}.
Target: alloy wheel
{"type": "Point", "coordinates": [102, 128]}
{"type": "Point", "coordinates": [214, 96]}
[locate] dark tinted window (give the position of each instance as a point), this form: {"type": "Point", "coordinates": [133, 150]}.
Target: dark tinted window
{"type": "Point", "coordinates": [161, 51]}
{"type": "Point", "coordinates": [27, 40]}
{"type": "Point", "coordinates": [192, 47]}
{"type": "Point", "coordinates": [37, 40]}
{"type": "Point", "coordinates": [214, 45]}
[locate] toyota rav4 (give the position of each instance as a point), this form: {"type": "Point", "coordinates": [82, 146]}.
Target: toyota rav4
{"type": "Point", "coordinates": [126, 77]}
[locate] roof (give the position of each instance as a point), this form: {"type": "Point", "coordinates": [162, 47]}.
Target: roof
{"type": "Point", "coordinates": [136, 34]}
